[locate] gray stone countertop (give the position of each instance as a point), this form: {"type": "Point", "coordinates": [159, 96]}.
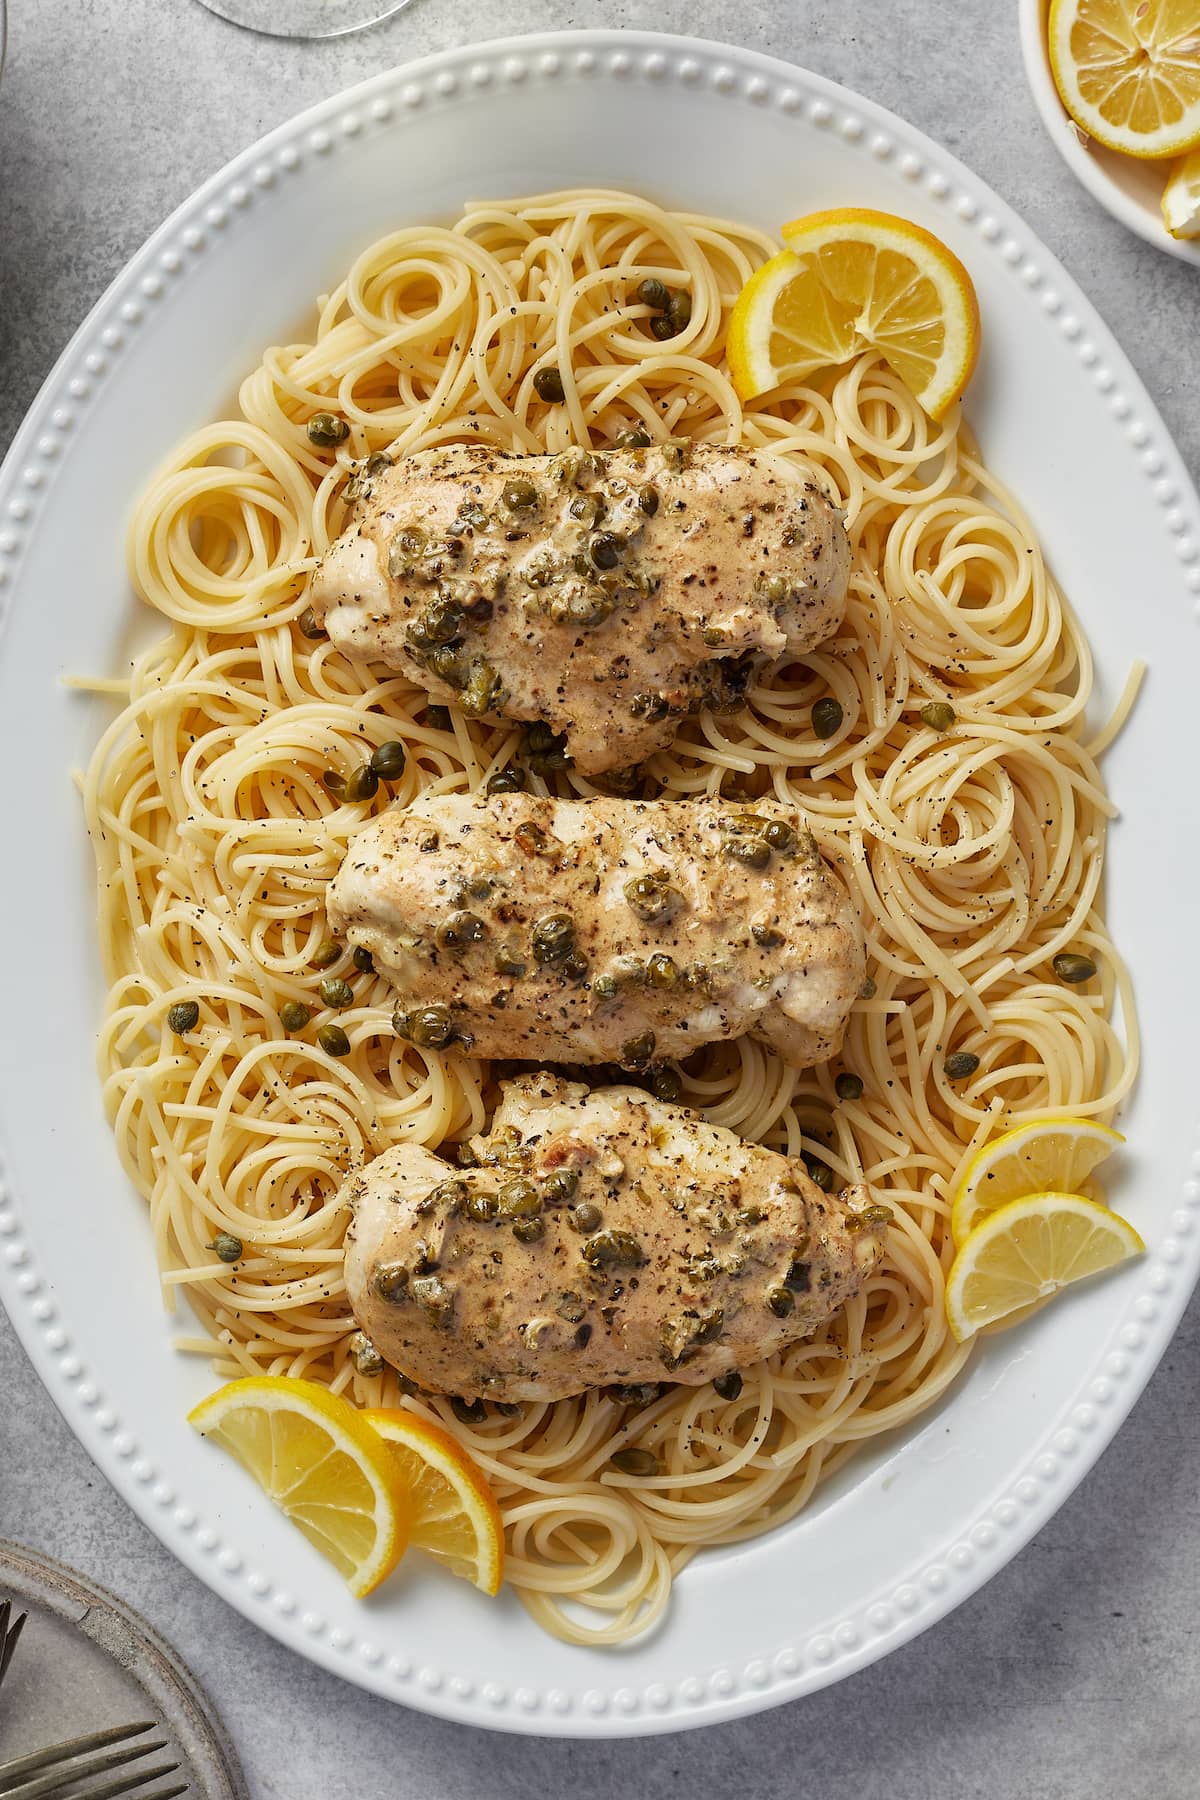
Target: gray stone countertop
{"type": "Point", "coordinates": [1073, 1675]}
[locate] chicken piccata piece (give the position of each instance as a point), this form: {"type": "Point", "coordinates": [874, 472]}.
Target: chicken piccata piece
{"type": "Point", "coordinates": [607, 930]}
{"type": "Point", "coordinates": [605, 593]}
{"type": "Point", "coordinates": [603, 1237]}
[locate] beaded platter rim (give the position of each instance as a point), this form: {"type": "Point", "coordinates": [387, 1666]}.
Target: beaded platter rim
{"type": "Point", "coordinates": [1053, 1466]}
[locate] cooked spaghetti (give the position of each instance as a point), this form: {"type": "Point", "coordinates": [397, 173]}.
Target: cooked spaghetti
{"type": "Point", "coordinates": [975, 850]}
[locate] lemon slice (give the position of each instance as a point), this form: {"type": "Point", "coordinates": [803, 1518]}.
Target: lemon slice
{"type": "Point", "coordinates": [315, 1456]}
{"type": "Point", "coordinates": [1128, 71]}
{"type": "Point", "coordinates": [1053, 1155]}
{"type": "Point", "coordinates": [854, 280]}
{"type": "Point", "coordinates": [454, 1513]}
{"type": "Point", "coordinates": [1181, 197]}
{"type": "Point", "coordinates": [1026, 1251]}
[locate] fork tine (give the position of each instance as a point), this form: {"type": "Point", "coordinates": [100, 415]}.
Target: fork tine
{"type": "Point", "coordinates": [8, 1636]}
{"type": "Point", "coordinates": [80, 1746]}
{"type": "Point", "coordinates": [52, 1784]}
{"type": "Point", "coordinates": [124, 1784]}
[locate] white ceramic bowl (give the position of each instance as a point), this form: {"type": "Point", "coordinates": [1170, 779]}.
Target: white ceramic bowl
{"type": "Point", "coordinates": [1128, 189]}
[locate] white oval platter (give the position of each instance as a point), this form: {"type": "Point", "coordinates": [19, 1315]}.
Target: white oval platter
{"type": "Point", "coordinates": [919, 1522]}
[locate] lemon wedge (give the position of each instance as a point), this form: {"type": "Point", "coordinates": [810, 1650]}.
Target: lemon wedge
{"type": "Point", "coordinates": [1128, 71]}
{"type": "Point", "coordinates": [454, 1513]}
{"type": "Point", "coordinates": [1026, 1251]}
{"type": "Point", "coordinates": [853, 280]}
{"type": "Point", "coordinates": [1053, 1155]}
{"type": "Point", "coordinates": [316, 1457]}
{"type": "Point", "coordinates": [1181, 197]}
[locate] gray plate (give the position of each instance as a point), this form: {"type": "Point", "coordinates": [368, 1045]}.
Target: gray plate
{"type": "Point", "coordinates": [86, 1661]}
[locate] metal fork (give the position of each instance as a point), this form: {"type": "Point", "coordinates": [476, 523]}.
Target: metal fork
{"type": "Point", "coordinates": [57, 1772]}
{"type": "Point", "coordinates": [10, 1629]}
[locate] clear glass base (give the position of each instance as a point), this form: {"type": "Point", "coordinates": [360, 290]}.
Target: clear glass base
{"type": "Point", "coordinates": [305, 18]}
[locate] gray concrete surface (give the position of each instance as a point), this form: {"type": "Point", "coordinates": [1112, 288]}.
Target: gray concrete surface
{"type": "Point", "coordinates": [1074, 1674]}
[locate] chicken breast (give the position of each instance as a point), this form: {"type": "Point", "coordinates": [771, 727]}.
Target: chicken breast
{"type": "Point", "coordinates": [605, 594]}
{"type": "Point", "coordinates": [604, 930]}
{"type": "Point", "coordinates": [603, 1237]}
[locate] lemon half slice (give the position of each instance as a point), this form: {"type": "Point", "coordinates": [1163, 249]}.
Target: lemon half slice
{"type": "Point", "coordinates": [454, 1513]}
{"type": "Point", "coordinates": [1128, 71]}
{"type": "Point", "coordinates": [1054, 1155]}
{"type": "Point", "coordinates": [1028, 1250]}
{"type": "Point", "coordinates": [316, 1457]}
{"type": "Point", "coordinates": [853, 280]}
{"type": "Point", "coordinates": [1181, 197]}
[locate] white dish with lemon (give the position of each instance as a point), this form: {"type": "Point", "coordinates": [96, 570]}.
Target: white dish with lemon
{"type": "Point", "coordinates": [1061, 416]}
{"type": "Point", "coordinates": [1127, 186]}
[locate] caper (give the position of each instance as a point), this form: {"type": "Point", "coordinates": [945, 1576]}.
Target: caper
{"type": "Point", "coordinates": [651, 897]}
{"type": "Point", "coordinates": [605, 548]}
{"type": "Point", "coordinates": [781, 1301]}
{"type": "Point", "coordinates": [391, 1279]}
{"type": "Point", "coordinates": [362, 959]}
{"type": "Point", "coordinates": [589, 509]}
{"type": "Point", "coordinates": [480, 1206]}
{"type": "Point", "coordinates": [662, 971]}
{"type": "Point", "coordinates": [472, 514]}
{"type": "Point", "coordinates": [799, 1276]}
{"type": "Point", "coordinates": [774, 588]}
{"type": "Point", "coordinates": [388, 760]}
{"type": "Point", "coordinates": [228, 1248]}
{"type": "Point", "coordinates": [605, 987]}
{"type": "Point", "coordinates": [819, 1173]}
{"type": "Point", "coordinates": [960, 1064]}
{"type": "Point", "coordinates": [876, 1215]}
{"type": "Point", "coordinates": [633, 1461]}
{"type": "Point", "coordinates": [938, 715]}
{"type": "Point", "coordinates": [438, 718]}
{"type": "Point", "coordinates": [519, 494]}
{"type": "Point", "coordinates": [294, 1015]}
{"type": "Point", "coordinates": [780, 835]}
{"type": "Point", "coordinates": [1072, 968]}
{"type": "Point", "coordinates": [755, 852]}
{"type": "Point", "coordinates": [325, 954]}
{"type": "Point", "coordinates": [827, 716]}
{"type": "Point", "coordinates": [310, 626]}
{"type": "Point", "coordinates": [335, 992]}
{"type": "Point", "coordinates": [648, 499]}
{"type": "Point", "coordinates": [530, 838]}
{"type": "Point", "coordinates": [585, 1217]}
{"type": "Point", "coordinates": [559, 1186]}
{"type": "Point", "coordinates": [661, 328]}
{"type": "Point", "coordinates": [647, 705]}
{"type": "Point", "coordinates": [519, 1199]}
{"type": "Point", "coordinates": [430, 1027]}
{"type": "Point", "coordinates": [184, 1016]}
{"type": "Point", "coordinates": [654, 293]}
{"type": "Point", "coordinates": [768, 937]}
{"type": "Point", "coordinates": [527, 1231]}
{"type": "Point", "coordinates": [868, 990]}
{"type": "Point", "coordinates": [333, 1040]}
{"type": "Point", "coordinates": [728, 1384]}
{"type": "Point", "coordinates": [633, 438]}
{"type": "Point", "coordinates": [635, 1393]}
{"type": "Point", "coordinates": [377, 463]}
{"type": "Point", "coordinates": [571, 1307]}
{"type": "Point", "coordinates": [505, 781]}
{"type": "Point", "coordinates": [848, 1086]}
{"type": "Point", "coordinates": [326, 430]}
{"type": "Point", "coordinates": [548, 384]}
{"type": "Point", "coordinates": [617, 1250]}
{"type": "Point", "coordinates": [445, 662]}
{"type": "Point", "coordinates": [459, 929]}
{"type": "Point", "coordinates": [363, 784]}
{"type": "Point", "coordinates": [441, 623]}
{"type": "Point", "coordinates": [468, 1412]}
{"type": "Point", "coordinates": [553, 938]}
{"type": "Point", "coordinates": [434, 1298]}
{"type": "Point", "coordinates": [508, 961]}
{"type": "Point", "coordinates": [333, 782]}
{"type": "Point", "coordinates": [679, 312]}
{"type": "Point", "coordinates": [667, 1085]}
{"type": "Point", "coordinates": [367, 1359]}
{"type": "Point", "coordinates": [637, 1052]}
{"type": "Point", "coordinates": [483, 690]}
